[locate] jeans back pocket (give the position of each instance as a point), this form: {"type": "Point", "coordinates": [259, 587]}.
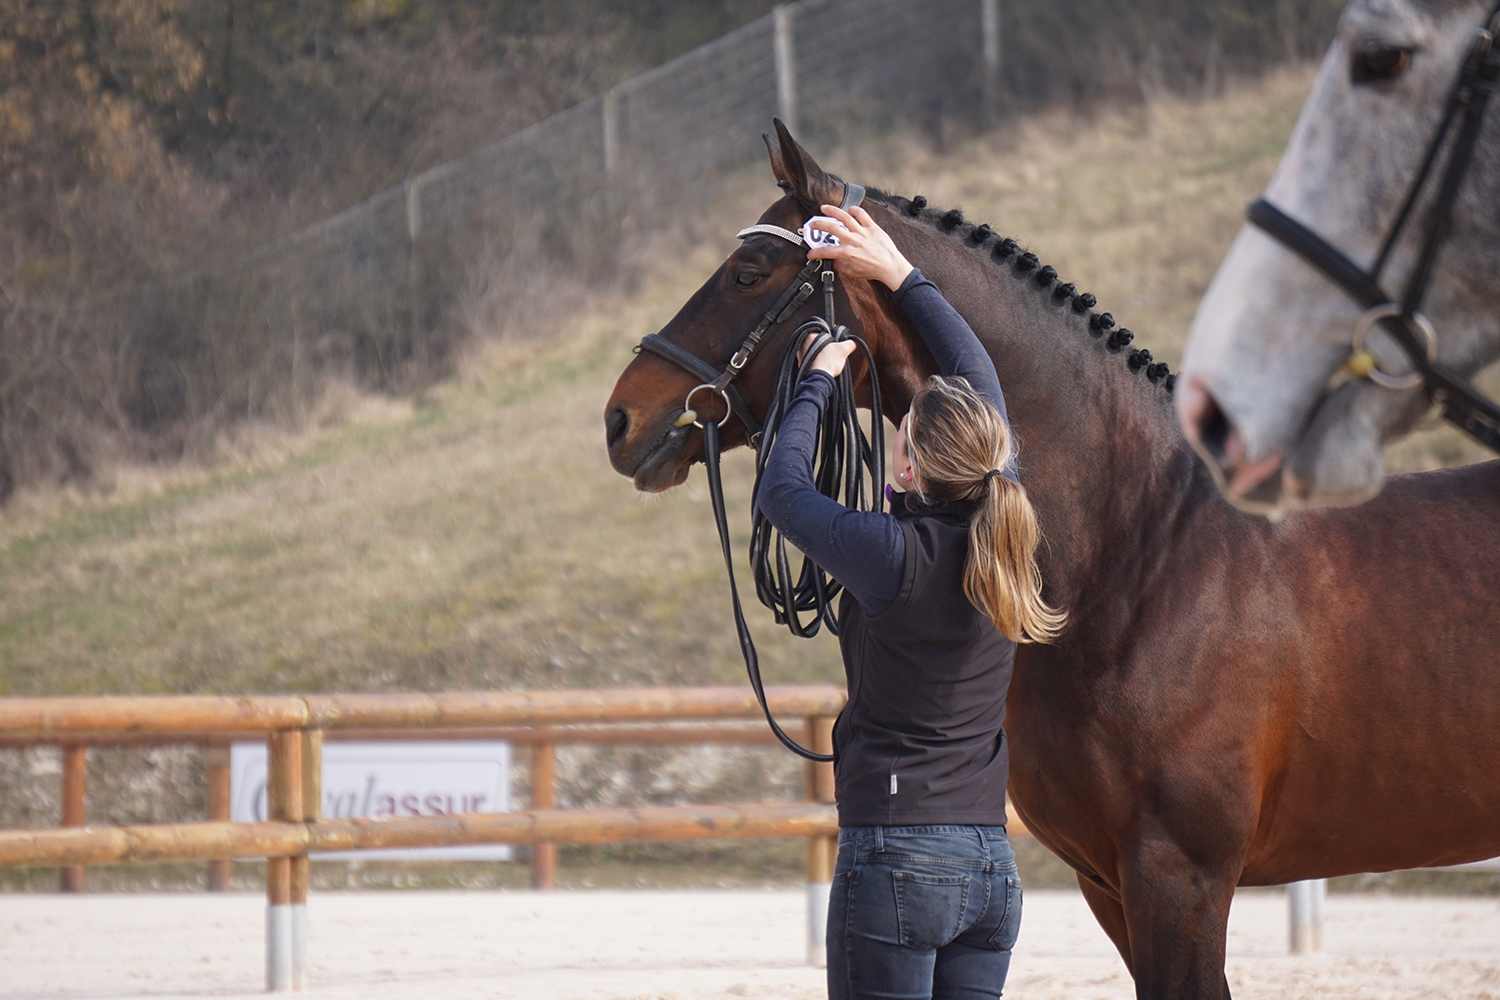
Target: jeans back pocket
{"type": "Point", "coordinates": [1008, 927]}
{"type": "Point", "coordinates": [929, 908]}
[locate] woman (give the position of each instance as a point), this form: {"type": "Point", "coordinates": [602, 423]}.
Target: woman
{"type": "Point", "coordinates": [926, 901]}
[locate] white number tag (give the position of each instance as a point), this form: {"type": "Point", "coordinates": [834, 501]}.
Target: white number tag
{"type": "Point", "coordinates": [820, 237]}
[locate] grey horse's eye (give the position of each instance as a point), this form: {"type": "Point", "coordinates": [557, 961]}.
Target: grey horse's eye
{"type": "Point", "coordinates": [1385, 63]}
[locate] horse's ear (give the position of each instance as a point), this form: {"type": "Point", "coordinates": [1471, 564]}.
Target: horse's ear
{"type": "Point", "coordinates": [794, 168]}
{"type": "Point", "coordinates": [778, 168]}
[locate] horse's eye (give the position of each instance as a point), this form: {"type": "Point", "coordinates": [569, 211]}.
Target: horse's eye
{"type": "Point", "coordinates": [747, 279]}
{"type": "Point", "coordinates": [1380, 64]}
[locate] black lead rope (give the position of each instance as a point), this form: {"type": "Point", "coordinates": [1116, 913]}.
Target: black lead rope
{"type": "Point", "coordinates": [845, 454]}
{"type": "Point", "coordinates": [844, 451]}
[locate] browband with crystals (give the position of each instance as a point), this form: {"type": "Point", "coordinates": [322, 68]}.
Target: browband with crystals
{"type": "Point", "coordinates": [853, 195]}
{"type": "Point", "coordinates": [770, 230]}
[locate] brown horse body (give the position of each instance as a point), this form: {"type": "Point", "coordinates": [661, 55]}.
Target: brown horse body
{"type": "Point", "coordinates": [1235, 701]}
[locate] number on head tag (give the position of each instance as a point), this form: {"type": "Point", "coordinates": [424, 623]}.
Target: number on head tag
{"type": "Point", "coordinates": [819, 237]}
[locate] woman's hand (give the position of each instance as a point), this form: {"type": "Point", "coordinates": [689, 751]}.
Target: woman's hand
{"type": "Point", "coordinates": [831, 358]}
{"type": "Point", "coordinates": [864, 251]}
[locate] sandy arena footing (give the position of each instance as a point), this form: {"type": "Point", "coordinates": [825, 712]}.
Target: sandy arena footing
{"type": "Point", "coordinates": [650, 945]}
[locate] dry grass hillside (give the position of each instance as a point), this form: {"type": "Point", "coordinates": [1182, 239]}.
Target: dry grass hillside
{"type": "Point", "coordinates": [476, 537]}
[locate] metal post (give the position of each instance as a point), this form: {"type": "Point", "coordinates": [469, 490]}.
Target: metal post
{"type": "Point", "coordinates": [413, 209]}
{"type": "Point", "coordinates": [414, 254]}
{"type": "Point", "coordinates": [820, 850]}
{"type": "Point", "coordinates": [543, 856]}
{"type": "Point", "coordinates": [75, 781]}
{"type": "Point", "coordinates": [1305, 909]}
{"type": "Point", "coordinates": [989, 26]}
{"type": "Point", "coordinates": [286, 877]}
{"type": "Point", "coordinates": [611, 132]}
{"type": "Point", "coordinates": [216, 758]}
{"type": "Point", "coordinates": [786, 68]}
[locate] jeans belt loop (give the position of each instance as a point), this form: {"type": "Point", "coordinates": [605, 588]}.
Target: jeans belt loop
{"type": "Point", "coordinates": [879, 840]}
{"type": "Point", "coordinates": [984, 842]}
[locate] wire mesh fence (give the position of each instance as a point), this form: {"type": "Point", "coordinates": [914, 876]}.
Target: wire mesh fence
{"type": "Point", "coordinates": [379, 294]}
{"type": "Point", "coordinates": [384, 289]}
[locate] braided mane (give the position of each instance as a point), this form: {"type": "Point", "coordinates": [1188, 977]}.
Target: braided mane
{"type": "Point", "coordinates": [1026, 267]}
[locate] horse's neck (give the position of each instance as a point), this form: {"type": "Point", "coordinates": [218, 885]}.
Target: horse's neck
{"type": "Point", "coordinates": [1100, 453]}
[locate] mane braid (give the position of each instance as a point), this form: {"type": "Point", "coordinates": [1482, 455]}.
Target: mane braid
{"type": "Point", "coordinates": [1029, 268]}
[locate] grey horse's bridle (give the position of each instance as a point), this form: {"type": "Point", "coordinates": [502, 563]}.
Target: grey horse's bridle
{"type": "Point", "coordinates": [1461, 403]}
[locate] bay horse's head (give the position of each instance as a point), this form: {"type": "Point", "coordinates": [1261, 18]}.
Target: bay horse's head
{"type": "Point", "coordinates": [650, 436]}
{"type": "Point", "coordinates": [1263, 392]}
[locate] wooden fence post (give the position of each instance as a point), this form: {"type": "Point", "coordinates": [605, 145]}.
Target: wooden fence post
{"type": "Point", "coordinates": [543, 780]}
{"type": "Point", "coordinates": [75, 781]}
{"type": "Point", "coordinates": [820, 850]}
{"type": "Point", "coordinates": [286, 877]}
{"type": "Point", "coordinates": [216, 760]}
{"type": "Point", "coordinates": [312, 811]}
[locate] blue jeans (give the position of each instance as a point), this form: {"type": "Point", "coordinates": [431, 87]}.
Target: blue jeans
{"type": "Point", "coordinates": [922, 911]}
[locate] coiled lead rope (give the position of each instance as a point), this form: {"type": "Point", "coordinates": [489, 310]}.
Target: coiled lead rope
{"type": "Point", "coordinates": [845, 453]}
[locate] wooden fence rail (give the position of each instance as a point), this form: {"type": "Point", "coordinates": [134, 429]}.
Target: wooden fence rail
{"type": "Point", "coordinates": [542, 742]}
{"type": "Point", "coordinates": [295, 727]}
{"type": "Point", "coordinates": [50, 718]}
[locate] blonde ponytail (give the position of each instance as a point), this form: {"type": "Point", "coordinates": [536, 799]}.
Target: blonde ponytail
{"type": "Point", "coordinates": [1001, 577]}
{"type": "Point", "coordinates": [957, 442]}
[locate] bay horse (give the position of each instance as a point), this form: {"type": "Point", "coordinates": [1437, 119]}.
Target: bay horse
{"type": "Point", "coordinates": [1260, 390]}
{"type": "Point", "coordinates": [1235, 701]}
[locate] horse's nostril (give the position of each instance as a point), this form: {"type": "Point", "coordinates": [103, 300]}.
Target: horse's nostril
{"type": "Point", "coordinates": [1203, 421]}
{"type": "Point", "coordinates": [1214, 429]}
{"type": "Point", "coordinates": [616, 423]}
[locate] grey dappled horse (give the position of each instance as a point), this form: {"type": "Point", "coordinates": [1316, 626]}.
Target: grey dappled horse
{"type": "Point", "coordinates": [1262, 392]}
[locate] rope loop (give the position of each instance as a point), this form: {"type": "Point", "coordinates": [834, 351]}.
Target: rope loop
{"type": "Point", "coordinates": [848, 467]}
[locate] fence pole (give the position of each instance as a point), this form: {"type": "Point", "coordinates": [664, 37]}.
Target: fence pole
{"type": "Point", "coordinates": [216, 760]}
{"type": "Point", "coordinates": [312, 811]}
{"type": "Point", "coordinates": [1305, 906]}
{"type": "Point", "coordinates": [75, 781]}
{"type": "Point", "coordinates": [786, 66]}
{"type": "Point", "coordinates": [413, 257]}
{"type": "Point", "coordinates": [820, 850]}
{"type": "Point", "coordinates": [611, 114]}
{"type": "Point", "coordinates": [543, 780]}
{"type": "Point", "coordinates": [286, 880]}
{"type": "Point", "coordinates": [989, 26]}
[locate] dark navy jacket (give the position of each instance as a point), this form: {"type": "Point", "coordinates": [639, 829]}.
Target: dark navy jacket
{"type": "Point", "coordinates": [921, 739]}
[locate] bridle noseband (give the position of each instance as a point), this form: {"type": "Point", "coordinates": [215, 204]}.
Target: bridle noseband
{"type": "Point", "coordinates": [1461, 403]}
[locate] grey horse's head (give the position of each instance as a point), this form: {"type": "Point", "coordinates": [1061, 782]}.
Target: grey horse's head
{"type": "Point", "coordinates": [1262, 392]}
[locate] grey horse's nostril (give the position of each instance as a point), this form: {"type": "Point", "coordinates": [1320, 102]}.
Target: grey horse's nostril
{"type": "Point", "coordinates": [1203, 421]}
{"type": "Point", "coordinates": [1214, 429]}
{"type": "Point", "coordinates": [616, 423]}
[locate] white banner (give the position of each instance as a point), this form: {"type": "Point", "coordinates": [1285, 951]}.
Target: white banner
{"type": "Point", "coordinates": [391, 778]}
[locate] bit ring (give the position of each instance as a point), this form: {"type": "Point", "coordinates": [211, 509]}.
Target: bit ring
{"type": "Point", "coordinates": [1411, 379]}
{"type": "Point", "coordinates": [728, 410]}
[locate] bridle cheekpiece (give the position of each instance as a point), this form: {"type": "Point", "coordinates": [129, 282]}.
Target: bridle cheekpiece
{"type": "Point", "coordinates": [792, 299]}
{"type": "Point", "coordinates": [1461, 403]}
